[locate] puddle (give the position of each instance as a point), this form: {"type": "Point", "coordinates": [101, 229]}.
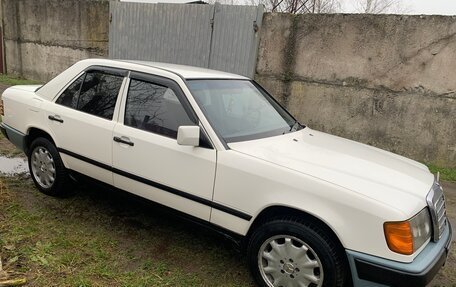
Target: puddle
{"type": "Point", "coordinates": [13, 166]}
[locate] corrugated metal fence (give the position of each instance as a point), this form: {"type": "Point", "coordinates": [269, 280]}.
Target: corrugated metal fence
{"type": "Point", "coordinates": [211, 36]}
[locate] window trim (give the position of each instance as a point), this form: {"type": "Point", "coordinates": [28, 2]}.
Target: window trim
{"type": "Point", "coordinates": [65, 87]}
{"type": "Point", "coordinates": [166, 83]}
{"type": "Point", "coordinates": [108, 70]}
{"type": "Point", "coordinates": [79, 92]}
{"type": "Point", "coordinates": [105, 70]}
{"type": "Point", "coordinates": [83, 75]}
{"type": "Point", "coordinates": [169, 83]}
{"type": "Point", "coordinates": [118, 92]}
{"type": "Point", "coordinates": [111, 70]}
{"type": "Point", "coordinates": [207, 143]}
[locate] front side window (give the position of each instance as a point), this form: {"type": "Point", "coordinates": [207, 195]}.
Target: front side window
{"type": "Point", "coordinates": [155, 108]}
{"type": "Point", "coordinates": [98, 94]}
{"type": "Point", "coordinates": [238, 110]}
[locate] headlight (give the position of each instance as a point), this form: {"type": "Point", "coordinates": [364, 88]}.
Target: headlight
{"type": "Point", "coordinates": [406, 237]}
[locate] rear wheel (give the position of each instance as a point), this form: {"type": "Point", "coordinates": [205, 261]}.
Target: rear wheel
{"type": "Point", "coordinates": [289, 252]}
{"type": "Point", "coordinates": [46, 168]}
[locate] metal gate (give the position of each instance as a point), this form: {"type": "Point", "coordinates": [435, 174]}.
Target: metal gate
{"type": "Point", "coordinates": [222, 37]}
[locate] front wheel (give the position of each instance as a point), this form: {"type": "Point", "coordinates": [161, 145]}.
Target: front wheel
{"type": "Point", "coordinates": [289, 252]}
{"type": "Point", "coordinates": [46, 168]}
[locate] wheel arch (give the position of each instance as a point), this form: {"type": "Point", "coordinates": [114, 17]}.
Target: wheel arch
{"type": "Point", "coordinates": [33, 133]}
{"type": "Point", "coordinates": [275, 211]}
{"type": "Point", "coordinates": [278, 211]}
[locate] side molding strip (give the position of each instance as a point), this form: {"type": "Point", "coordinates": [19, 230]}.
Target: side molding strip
{"type": "Point", "coordinates": [166, 188]}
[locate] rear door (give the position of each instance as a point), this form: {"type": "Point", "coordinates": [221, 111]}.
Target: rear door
{"type": "Point", "coordinates": [82, 121]}
{"type": "Point", "coordinates": [148, 161]}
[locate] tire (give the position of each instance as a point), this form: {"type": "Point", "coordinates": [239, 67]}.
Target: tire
{"type": "Point", "coordinates": [277, 255]}
{"type": "Point", "coordinates": [47, 169]}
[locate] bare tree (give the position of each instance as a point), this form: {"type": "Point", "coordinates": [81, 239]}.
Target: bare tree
{"type": "Point", "coordinates": [290, 6]}
{"type": "Point", "coordinates": [303, 6]}
{"type": "Point", "coordinates": [381, 6]}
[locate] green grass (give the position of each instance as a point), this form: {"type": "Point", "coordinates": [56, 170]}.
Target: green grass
{"type": "Point", "coordinates": [14, 80]}
{"type": "Point", "coordinates": [446, 173]}
{"type": "Point", "coordinates": [100, 238]}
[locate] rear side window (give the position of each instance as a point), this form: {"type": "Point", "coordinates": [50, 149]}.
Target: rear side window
{"type": "Point", "coordinates": [155, 108]}
{"type": "Point", "coordinates": [94, 92]}
{"type": "Point", "coordinates": [69, 97]}
{"type": "Point", "coordinates": [98, 94]}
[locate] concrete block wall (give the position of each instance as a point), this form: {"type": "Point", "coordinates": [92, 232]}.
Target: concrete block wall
{"type": "Point", "coordinates": [44, 37]}
{"type": "Point", "coordinates": [385, 80]}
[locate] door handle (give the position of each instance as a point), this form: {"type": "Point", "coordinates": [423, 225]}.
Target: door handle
{"type": "Point", "coordinates": [55, 118]}
{"type": "Point", "coordinates": [124, 140]}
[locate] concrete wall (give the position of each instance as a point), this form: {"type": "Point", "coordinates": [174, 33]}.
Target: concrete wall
{"type": "Point", "coordinates": [44, 37]}
{"type": "Point", "coordinates": [385, 80]}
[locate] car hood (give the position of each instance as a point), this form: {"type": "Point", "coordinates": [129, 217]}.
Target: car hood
{"type": "Point", "coordinates": [375, 173]}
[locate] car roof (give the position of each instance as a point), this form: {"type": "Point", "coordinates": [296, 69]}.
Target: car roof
{"type": "Point", "coordinates": [54, 86]}
{"type": "Point", "coordinates": [188, 72]}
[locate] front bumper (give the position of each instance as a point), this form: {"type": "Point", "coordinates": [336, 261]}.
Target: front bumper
{"type": "Point", "coordinates": [373, 271]}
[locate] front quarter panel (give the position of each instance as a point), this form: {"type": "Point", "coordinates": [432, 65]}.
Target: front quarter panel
{"type": "Point", "coordinates": [250, 185]}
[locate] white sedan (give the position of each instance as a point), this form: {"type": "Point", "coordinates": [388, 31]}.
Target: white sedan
{"type": "Point", "coordinates": [309, 208]}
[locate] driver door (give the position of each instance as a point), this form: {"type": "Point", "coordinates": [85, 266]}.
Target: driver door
{"type": "Point", "coordinates": [147, 160]}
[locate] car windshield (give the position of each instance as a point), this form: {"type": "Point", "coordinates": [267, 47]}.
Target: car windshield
{"type": "Point", "coordinates": [239, 110]}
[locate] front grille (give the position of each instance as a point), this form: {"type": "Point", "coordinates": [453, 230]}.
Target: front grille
{"type": "Point", "coordinates": [436, 203]}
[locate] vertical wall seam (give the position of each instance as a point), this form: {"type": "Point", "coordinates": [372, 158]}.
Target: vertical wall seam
{"type": "Point", "coordinates": [19, 37]}
{"type": "Point", "coordinates": [211, 37]}
{"type": "Point", "coordinates": [289, 55]}
{"type": "Point", "coordinates": [2, 22]}
{"type": "Point", "coordinates": [256, 40]}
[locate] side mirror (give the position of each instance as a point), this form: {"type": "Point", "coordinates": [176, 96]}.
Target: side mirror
{"type": "Point", "coordinates": [188, 135]}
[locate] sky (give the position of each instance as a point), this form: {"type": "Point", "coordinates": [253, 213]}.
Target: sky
{"type": "Point", "coordinates": [438, 7]}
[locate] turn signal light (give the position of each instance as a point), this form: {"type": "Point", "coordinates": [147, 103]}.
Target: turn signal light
{"type": "Point", "coordinates": [2, 112]}
{"type": "Point", "coordinates": [399, 237]}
